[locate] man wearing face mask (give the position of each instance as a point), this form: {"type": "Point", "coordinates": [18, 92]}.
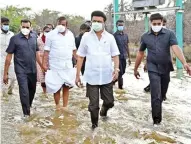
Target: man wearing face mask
{"type": "Point", "coordinates": [147, 89]}
{"type": "Point", "coordinates": [98, 46]}
{"type": "Point", "coordinates": [25, 50]}
{"type": "Point", "coordinates": [158, 41]}
{"type": "Point", "coordinates": [122, 43]}
{"type": "Point", "coordinates": [5, 37]}
{"type": "Point", "coordinates": [58, 51]}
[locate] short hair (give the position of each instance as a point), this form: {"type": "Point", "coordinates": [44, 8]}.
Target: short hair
{"type": "Point", "coordinates": [45, 27]}
{"type": "Point", "coordinates": [156, 16]}
{"type": "Point", "coordinates": [61, 19]}
{"type": "Point", "coordinates": [84, 27]}
{"type": "Point", "coordinates": [100, 14]}
{"type": "Point", "coordinates": [119, 21]}
{"type": "Point", "coordinates": [164, 20]}
{"type": "Point", "coordinates": [4, 19]}
{"type": "Point", "coordinates": [26, 21]}
{"type": "Point", "coordinates": [51, 25]}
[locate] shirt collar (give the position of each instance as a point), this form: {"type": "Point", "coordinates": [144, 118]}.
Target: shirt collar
{"type": "Point", "coordinates": [162, 31]}
{"type": "Point", "coordinates": [103, 33]}
{"type": "Point", "coordinates": [30, 35]}
{"type": "Point", "coordinates": [5, 33]}
{"type": "Point", "coordinates": [119, 32]}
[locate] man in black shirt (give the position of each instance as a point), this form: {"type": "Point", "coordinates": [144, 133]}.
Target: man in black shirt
{"type": "Point", "coordinates": [25, 50]}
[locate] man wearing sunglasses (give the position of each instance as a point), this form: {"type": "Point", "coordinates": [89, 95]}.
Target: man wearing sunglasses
{"type": "Point", "coordinates": [158, 41]}
{"type": "Point", "coordinates": [25, 50]}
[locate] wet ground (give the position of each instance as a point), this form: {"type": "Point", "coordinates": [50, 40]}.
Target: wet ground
{"type": "Point", "coordinates": [129, 122]}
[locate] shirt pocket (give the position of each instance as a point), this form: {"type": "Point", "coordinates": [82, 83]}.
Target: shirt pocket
{"type": "Point", "coordinates": [105, 48]}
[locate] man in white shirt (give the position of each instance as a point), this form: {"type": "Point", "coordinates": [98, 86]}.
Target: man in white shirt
{"type": "Point", "coordinates": [59, 49]}
{"type": "Point", "coordinates": [5, 37]}
{"type": "Point", "coordinates": [99, 47]}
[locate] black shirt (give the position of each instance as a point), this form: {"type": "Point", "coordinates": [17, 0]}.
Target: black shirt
{"type": "Point", "coordinates": [159, 57]}
{"type": "Point", "coordinates": [24, 51]}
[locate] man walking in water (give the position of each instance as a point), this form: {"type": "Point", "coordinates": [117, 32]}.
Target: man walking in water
{"type": "Point", "coordinates": [158, 42]}
{"type": "Point", "coordinates": [98, 46]}
{"type": "Point", "coordinates": [58, 51]}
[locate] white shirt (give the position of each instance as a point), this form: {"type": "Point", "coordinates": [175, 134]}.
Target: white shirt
{"type": "Point", "coordinates": [61, 49]}
{"type": "Point", "coordinates": [5, 38]}
{"type": "Point", "coordinates": [98, 53]}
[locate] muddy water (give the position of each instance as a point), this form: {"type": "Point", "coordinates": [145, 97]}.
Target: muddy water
{"type": "Point", "coordinates": [129, 122]}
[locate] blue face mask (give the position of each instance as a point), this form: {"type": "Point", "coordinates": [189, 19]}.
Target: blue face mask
{"type": "Point", "coordinates": [5, 27]}
{"type": "Point", "coordinates": [120, 28]}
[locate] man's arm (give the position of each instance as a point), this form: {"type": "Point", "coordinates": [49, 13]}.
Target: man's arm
{"type": "Point", "coordinates": [178, 52]}
{"type": "Point", "coordinates": [74, 54]}
{"type": "Point", "coordinates": [7, 63]}
{"type": "Point", "coordinates": [38, 59]}
{"type": "Point", "coordinates": [116, 62]}
{"type": "Point", "coordinates": [140, 56]}
{"type": "Point", "coordinates": [6, 67]}
{"type": "Point", "coordinates": [45, 63]}
{"type": "Point", "coordinates": [79, 65]}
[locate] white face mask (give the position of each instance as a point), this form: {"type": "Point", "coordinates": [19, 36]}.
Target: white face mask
{"type": "Point", "coordinates": [61, 28]}
{"type": "Point", "coordinates": [97, 26]}
{"type": "Point", "coordinates": [156, 28]}
{"type": "Point", "coordinates": [164, 27]}
{"type": "Point", "coordinates": [25, 31]}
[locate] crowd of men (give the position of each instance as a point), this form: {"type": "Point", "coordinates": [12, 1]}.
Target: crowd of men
{"type": "Point", "coordinates": [56, 59]}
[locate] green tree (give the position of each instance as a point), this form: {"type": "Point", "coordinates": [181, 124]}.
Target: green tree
{"type": "Point", "coordinates": [16, 14]}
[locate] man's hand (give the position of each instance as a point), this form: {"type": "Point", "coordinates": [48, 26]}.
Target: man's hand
{"type": "Point", "coordinates": [78, 81]}
{"type": "Point", "coordinates": [115, 74]}
{"type": "Point", "coordinates": [5, 79]}
{"type": "Point", "coordinates": [187, 68]}
{"type": "Point", "coordinates": [129, 62]}
{"type": "Point", "coordinates": [136, 74]}
{"type": "Point", "coordinates": [45, 68]}
{"type": "Point", "coordinates": [145, 68]}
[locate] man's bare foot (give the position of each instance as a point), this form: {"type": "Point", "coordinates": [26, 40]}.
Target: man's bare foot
{"type": "Point", "coordinates": [58, 107]}
{"type": "Point", "coordinates": [64, 108]}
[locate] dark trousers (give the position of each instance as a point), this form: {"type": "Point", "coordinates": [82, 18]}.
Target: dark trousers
{"type": "Point", "coordinates": [27, 89]}
{"type": "Point", "coordinates": [122, 67]}
{"type": "Point", "coordinates": [159, 86]}
{"type": "Point", "coordinates": [93, 92]}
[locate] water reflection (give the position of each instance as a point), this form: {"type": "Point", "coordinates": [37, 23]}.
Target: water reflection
{"type": "Point", "coordinates": [129, 122]}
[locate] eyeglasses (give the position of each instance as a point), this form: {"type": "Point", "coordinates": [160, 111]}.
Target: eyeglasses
{"type": "Point", "coordinates": [156, 24]}
{"type": "Point", "coordinates": [25, 27]}
{"type": "Point", "coordinates": [46, 31]}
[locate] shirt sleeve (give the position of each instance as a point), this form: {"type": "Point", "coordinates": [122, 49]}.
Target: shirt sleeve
{"type": "Point", "coordinates": [11, 47]}
{"type": "Point", "coordinates": [48, 43]}
{"type": "Point", "coordinates": [82, 50]}
{"type": "Point", "coordinates": [142, 45]}
{"type": "Point", "coordinates": [114, 48]}
{"type": "Point", "coordinates": [173, 39]}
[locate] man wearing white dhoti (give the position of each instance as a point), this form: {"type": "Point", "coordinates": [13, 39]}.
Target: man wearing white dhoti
{"type": "Point", "coordinates": [57, 62]}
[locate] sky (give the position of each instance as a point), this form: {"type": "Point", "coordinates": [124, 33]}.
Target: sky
{"type": "Point", "coordinates": [76, 7]}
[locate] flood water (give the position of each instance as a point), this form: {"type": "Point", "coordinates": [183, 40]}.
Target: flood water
{"type": "Point", "coordinates": [129, 122]}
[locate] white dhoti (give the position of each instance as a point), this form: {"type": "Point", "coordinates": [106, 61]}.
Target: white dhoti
{"type": "Point", "coordinates": [55, 79]}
